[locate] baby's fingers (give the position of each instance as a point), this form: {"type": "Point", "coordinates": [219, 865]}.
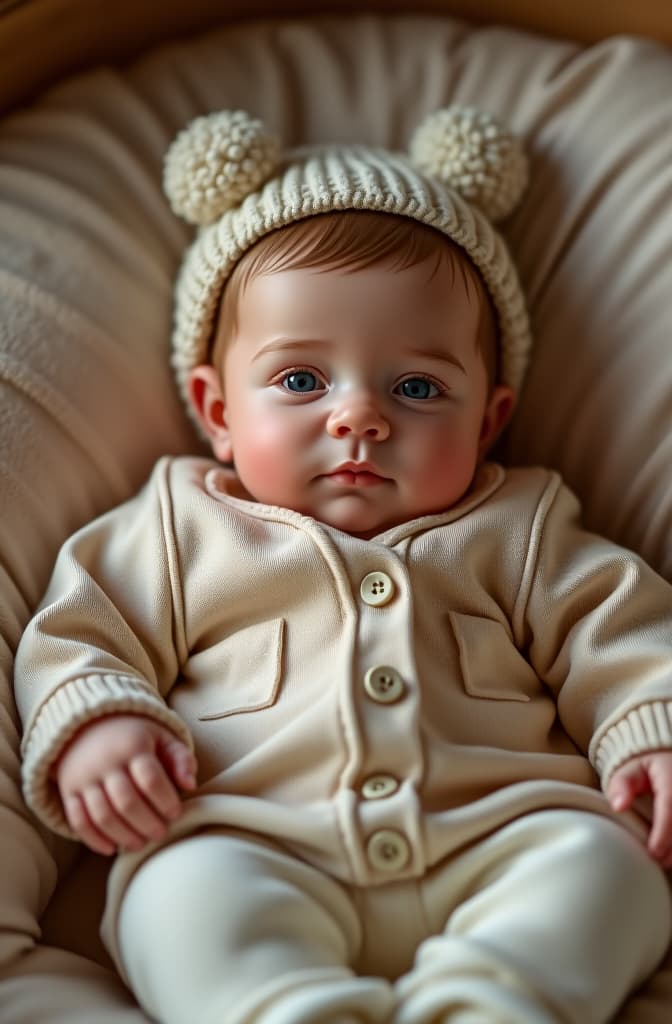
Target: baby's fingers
{"type": "Point", "coordinates": [660, 838]}
{"type": "Point", "coordinates": [82, 826]}
{"type": "Point", "coordinates": [151, 780]}
{"type": "Point", "coordinates": [177, 759]}
{"type": "Point", "coordinates": [648, 773]}
{"type": "Point", "coordinates": [93, 819]}
{"type": "Point", "coordinates": [629, 782]}
{"type": "Point", "coordinates": [134, 811]}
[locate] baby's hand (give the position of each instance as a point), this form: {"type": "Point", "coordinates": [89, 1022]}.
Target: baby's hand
{"type": "Point", "coordinates": [119, 779]}
{"type": "Point", "coordinates": [648, 773]}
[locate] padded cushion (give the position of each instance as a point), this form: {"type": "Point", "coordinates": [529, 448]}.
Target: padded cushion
{"type": "Point", "coordinates": [89, 249]}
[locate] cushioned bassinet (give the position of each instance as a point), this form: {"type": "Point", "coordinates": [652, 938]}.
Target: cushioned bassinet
{"type": "Point", "coordinates": [89, 248]}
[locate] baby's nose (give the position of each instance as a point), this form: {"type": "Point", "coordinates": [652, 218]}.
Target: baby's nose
{"type": "Point", "coordinates": [358, 416]}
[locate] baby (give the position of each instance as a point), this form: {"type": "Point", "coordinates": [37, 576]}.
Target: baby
{"type": "Point", "coordinates": [362, 714]}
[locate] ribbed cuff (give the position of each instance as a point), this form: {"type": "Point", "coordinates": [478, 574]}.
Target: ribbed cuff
{"type": "Point", "coordinates": [643, 730]}
{"type": "Point", "coordinates": [64, 713]}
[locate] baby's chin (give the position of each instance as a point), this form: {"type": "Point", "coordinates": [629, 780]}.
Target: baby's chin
{"type": "Point", "coordinates": [356, 521]}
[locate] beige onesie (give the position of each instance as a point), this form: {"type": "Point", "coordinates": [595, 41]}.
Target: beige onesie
{"type": "Point", "coordinates": [368, 713]}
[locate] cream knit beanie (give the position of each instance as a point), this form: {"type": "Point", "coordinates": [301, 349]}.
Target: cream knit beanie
{"type": "Point", "coordinates": [226, 173]}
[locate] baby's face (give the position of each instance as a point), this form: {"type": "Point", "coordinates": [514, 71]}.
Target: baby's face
{"type": "Point", "coordinates": [360, 399]}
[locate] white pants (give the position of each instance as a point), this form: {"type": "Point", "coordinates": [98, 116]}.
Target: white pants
{"type": "Point", "coordinates": [555, 918]}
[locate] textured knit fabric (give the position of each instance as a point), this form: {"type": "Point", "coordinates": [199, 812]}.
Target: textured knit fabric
{"type": "Point", "coordinates": [321, 179]}
{"type": "Point", "coordinates": [525, 656]}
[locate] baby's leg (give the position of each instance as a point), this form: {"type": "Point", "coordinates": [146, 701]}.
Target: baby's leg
{"type": "Point", "coordinates": [219, 929]}
{"type": "Point", "coordinates": [555, 918]}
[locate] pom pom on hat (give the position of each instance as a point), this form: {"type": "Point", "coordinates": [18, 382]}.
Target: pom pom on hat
{"type": "Point", "coordinates": [215, 162]}
{"type": "Point", "coordinates": [469, 151]}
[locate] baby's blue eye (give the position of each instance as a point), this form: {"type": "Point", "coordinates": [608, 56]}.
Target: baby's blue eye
{"type": "Point", "coordinates": [301, 382]}
{"type": "Point", "coordinates": [418, 388]}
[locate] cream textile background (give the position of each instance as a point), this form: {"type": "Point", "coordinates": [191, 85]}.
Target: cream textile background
{"type": "Point", "coordinates": [88, 250]}
{"type": "Point", "coordinates": [67, 35]}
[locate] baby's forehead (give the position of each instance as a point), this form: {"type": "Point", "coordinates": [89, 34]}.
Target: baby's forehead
{"type": "Point", "coordinates": [288, 268]}
{"type": "Point", "coordinates": [384, 311]}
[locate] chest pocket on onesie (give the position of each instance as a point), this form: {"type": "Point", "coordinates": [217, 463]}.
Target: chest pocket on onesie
{"type": "Point", "coordinates": [491, 665]}
{"type": "Point", "coordinates": [249, 667]}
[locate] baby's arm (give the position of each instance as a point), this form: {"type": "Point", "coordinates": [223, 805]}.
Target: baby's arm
{"type": "Point", "coordinates": [108, 639]}
{"type": "Point", "coordinates": [648, 773]}
{"type": "Point", "coordinates": [119, 778]}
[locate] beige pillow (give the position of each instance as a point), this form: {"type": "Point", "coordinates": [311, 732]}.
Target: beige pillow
{"type": "Point", "coordinates": [89, 248]}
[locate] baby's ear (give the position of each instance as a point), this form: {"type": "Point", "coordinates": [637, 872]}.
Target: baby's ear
{"type": "Point", "coordinates": [497, 414]}
{"type": "Point", "coordinates": [206, 398]}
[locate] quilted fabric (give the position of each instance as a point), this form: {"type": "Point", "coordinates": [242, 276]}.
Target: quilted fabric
{"type": "Point", "coordinates": [88, 252]}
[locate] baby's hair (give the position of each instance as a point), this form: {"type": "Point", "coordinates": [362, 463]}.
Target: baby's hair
{"type": "Point", "coordinates": [352, 240]}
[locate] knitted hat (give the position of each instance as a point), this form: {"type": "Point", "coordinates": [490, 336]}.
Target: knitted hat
{"type": "Point", "coordinates": [226, 173]}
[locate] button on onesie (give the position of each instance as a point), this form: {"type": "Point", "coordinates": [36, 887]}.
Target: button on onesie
{"type": "Point", "coordinates": [385, 761]}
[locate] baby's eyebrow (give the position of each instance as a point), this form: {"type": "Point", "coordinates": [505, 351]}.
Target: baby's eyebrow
{"type": "Point", "coordinates": [438, 355]}
{"type": "Point", "coordinates": [293, 344]}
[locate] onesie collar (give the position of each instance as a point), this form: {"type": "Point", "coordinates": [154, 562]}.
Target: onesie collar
{"type": "Point", "coordinates": [223, 484]}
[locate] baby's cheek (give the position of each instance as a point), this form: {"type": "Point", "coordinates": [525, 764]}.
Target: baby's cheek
{"type": "Point", "coordinates": [263, 465]}
{"type": "Point", "coordinates": [444, 471]}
